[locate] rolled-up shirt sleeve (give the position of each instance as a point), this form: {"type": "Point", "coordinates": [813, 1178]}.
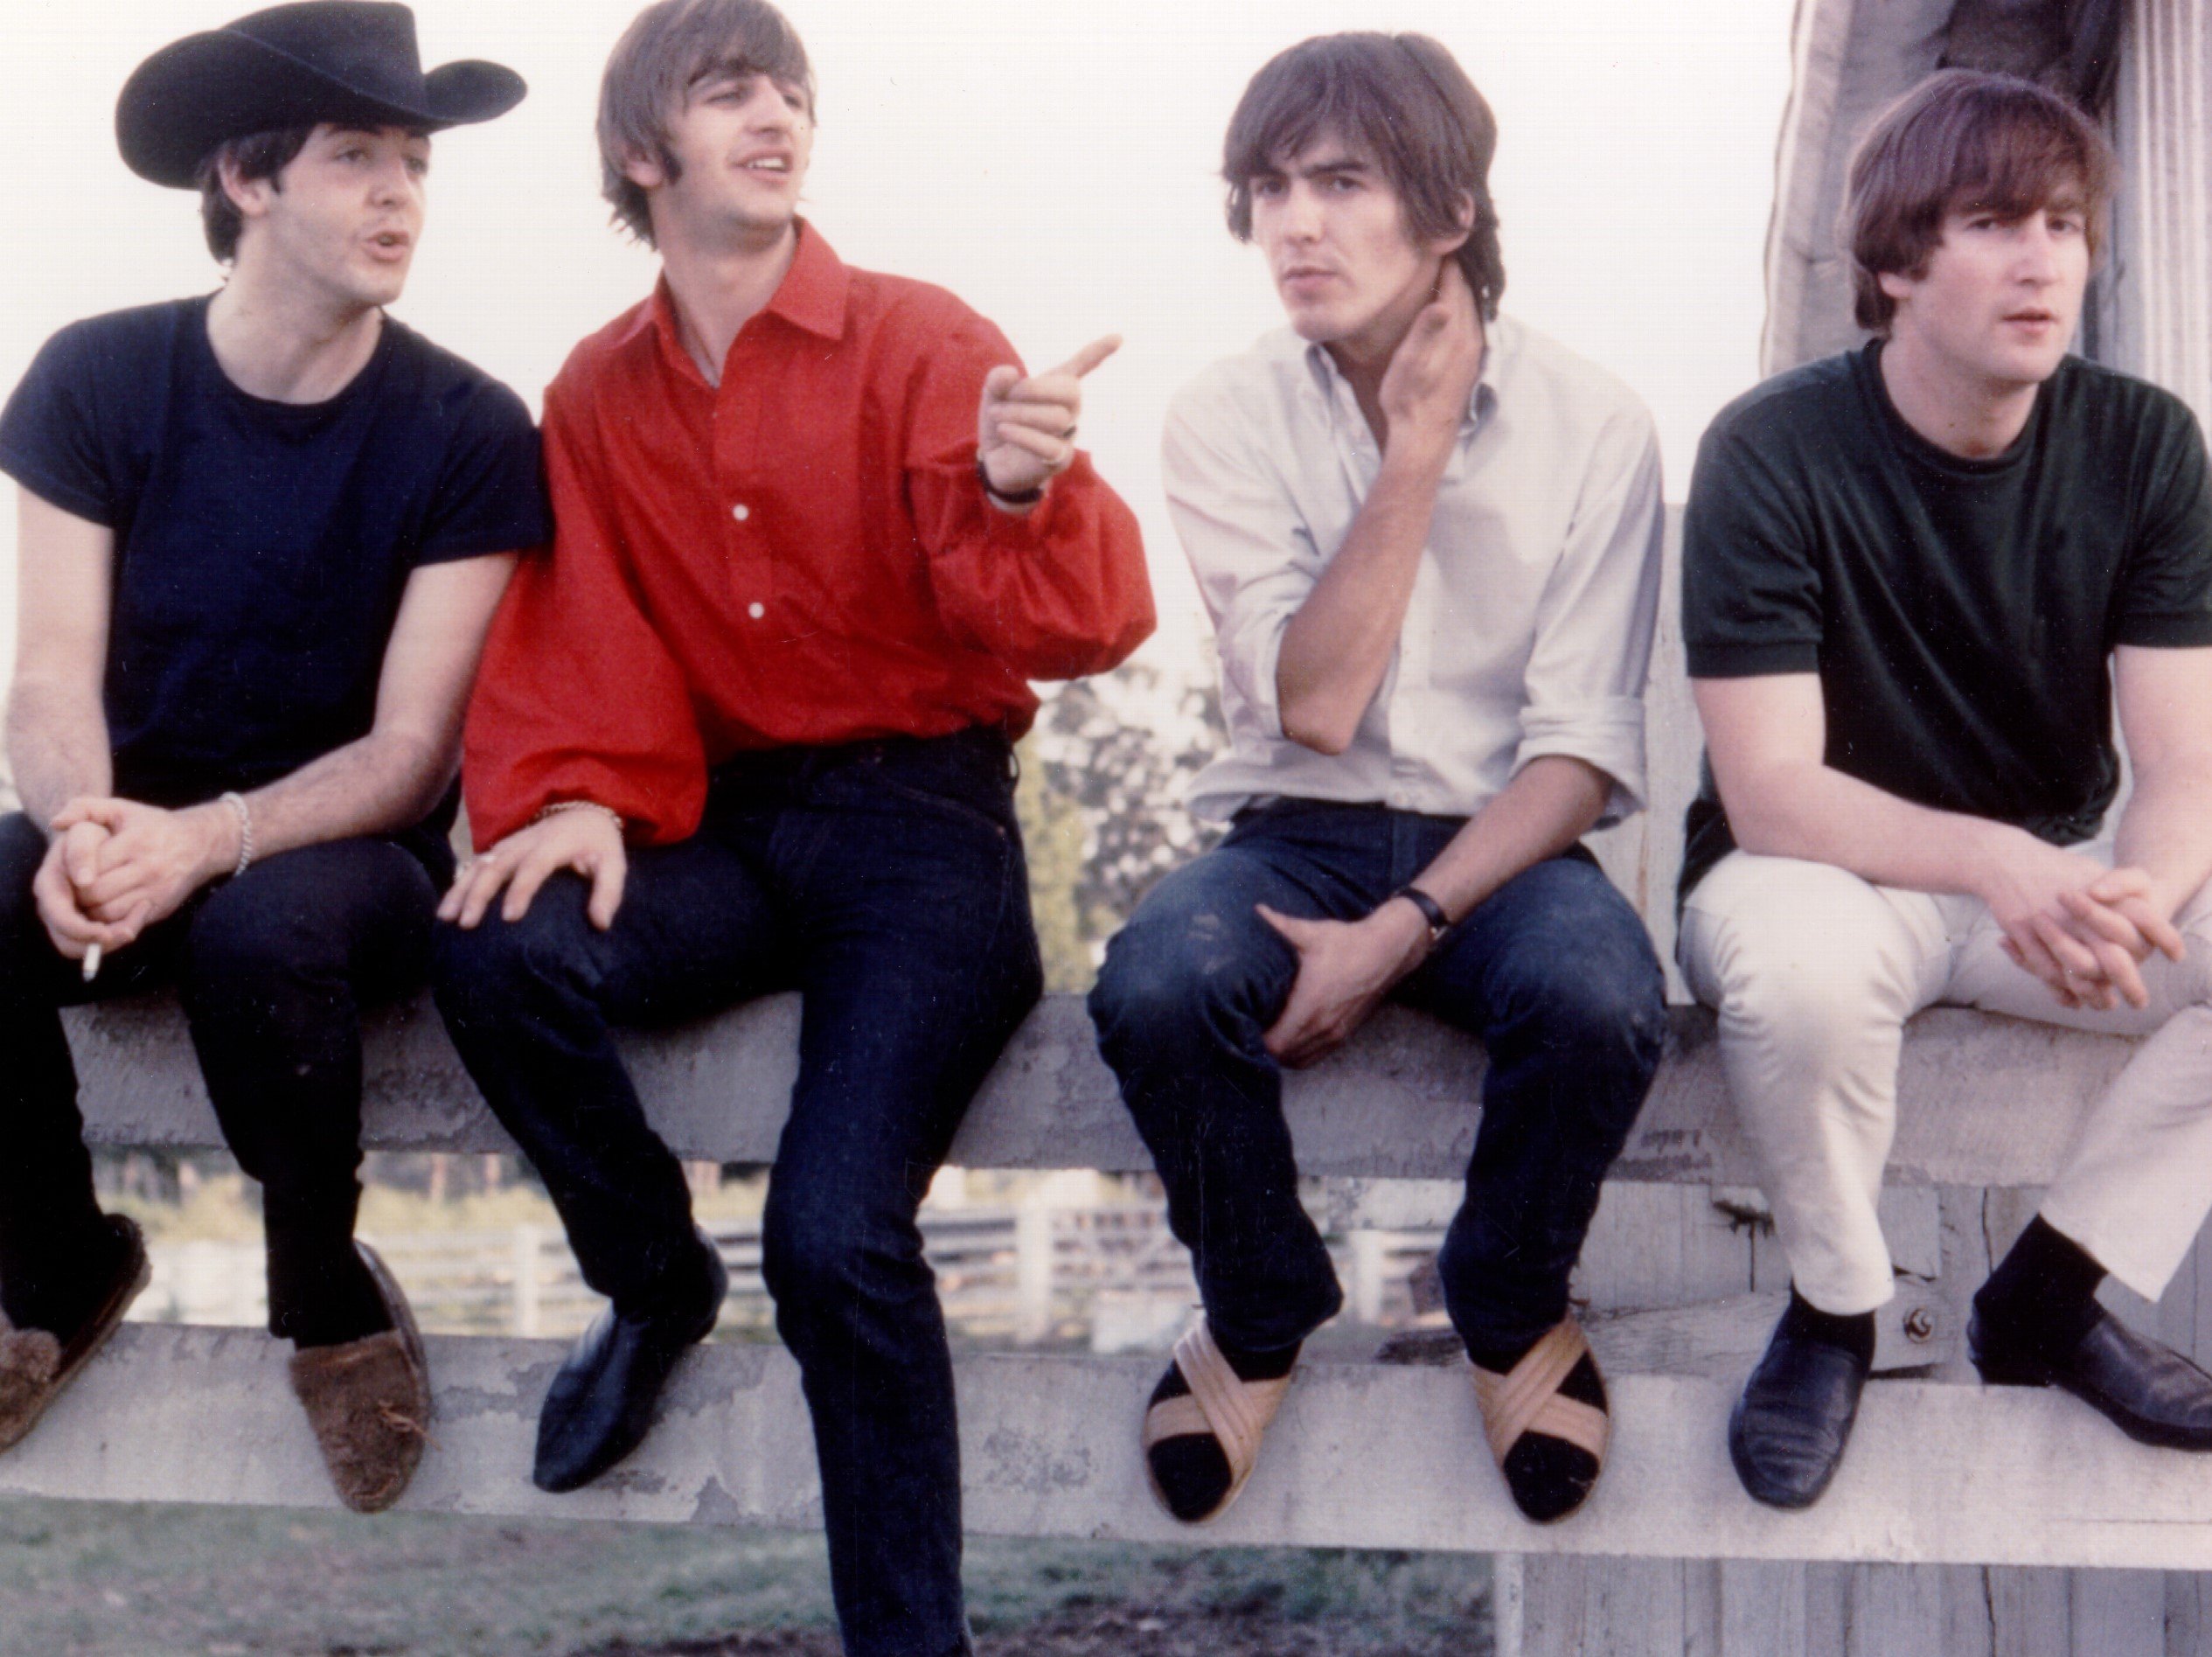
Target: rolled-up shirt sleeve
{"type": "Point", "coordinates": [1592, 651]}
{"type": "Point", "coordinates": [1254, 558]}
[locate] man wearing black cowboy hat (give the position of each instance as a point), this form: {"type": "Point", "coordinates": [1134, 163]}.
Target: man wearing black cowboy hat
{"type": "Point", "coordinates": [261, 536]}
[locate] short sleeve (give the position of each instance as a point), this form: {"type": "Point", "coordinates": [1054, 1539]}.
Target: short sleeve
{"type": "Point", "coordinates": [1750, 586]}
{"type": "Point", "coordinates": [2165, 592]}
{"type": "Point", "coordinates": [490, 492]}
{"type": "Point", "coordinates": [49, 438]}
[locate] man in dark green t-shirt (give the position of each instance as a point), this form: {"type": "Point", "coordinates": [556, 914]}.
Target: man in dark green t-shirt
{"type": "Point", "coordinates": [1916, 579]}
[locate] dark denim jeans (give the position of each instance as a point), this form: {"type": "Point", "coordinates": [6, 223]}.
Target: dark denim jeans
{"type": "Point", "coordinates": [1553, 971]}
{"type": "Point", "coordinates": [273, 969]}
{"type": "Point", "coordinates": [885, 882]}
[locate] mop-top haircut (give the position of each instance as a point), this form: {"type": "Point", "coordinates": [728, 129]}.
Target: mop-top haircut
{"type": "Point", "coordinates": [1403, 104]}
{"type": "Point", "coordinates": [668, 50]}
{"type": "Point", "coordinates": [1962, 141]}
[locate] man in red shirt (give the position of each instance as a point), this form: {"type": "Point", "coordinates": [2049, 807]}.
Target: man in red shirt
{"type": "Point", "coordinates": [748, 728]}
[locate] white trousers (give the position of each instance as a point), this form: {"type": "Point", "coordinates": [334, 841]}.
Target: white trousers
{"type": "Point", "coordinates": [1814, 972]}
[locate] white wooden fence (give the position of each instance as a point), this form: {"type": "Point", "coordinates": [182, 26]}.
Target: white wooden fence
{"type": "Point", "coordinates": [1109, 1278]}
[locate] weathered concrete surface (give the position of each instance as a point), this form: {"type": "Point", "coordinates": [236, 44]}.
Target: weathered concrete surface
{"type": "Point", "coordinates": [1363, 1456]}
{"type": "Point", "coordinates": [1986, 1101]}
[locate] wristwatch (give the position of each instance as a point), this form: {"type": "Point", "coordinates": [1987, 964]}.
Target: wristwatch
{"type": "Point", "coordinates": [1028, 496]}
{"type": "Point", "coordinates": [1431, 911]}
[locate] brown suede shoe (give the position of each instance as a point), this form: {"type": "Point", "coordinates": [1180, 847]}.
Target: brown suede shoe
{"type": "Point", "coordinates": [369, 1402]}
{"type": "Point", "coordinates": [35, 1364]}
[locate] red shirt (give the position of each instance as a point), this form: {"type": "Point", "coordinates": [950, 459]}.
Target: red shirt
{"type": "Point", "coordinates": [800, 555]}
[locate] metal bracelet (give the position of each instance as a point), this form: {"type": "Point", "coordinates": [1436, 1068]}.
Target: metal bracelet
{"type": "Point", "coordinates": [237, 802]}
{"type": "Point", "coordinates": [559, 806]}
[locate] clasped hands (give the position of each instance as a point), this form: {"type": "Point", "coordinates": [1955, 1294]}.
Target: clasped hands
{"type": "Point", "coordinates": [116, 866]}
{"type": "Point", "coordinates": [2082, 929]}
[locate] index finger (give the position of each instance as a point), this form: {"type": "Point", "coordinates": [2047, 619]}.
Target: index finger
{"type": "Point", "coordinates": [483, 880]}
{"type": "Point", "coordinates": [2107, 921]}
{"type": "Point", "coordinates": [81, 854]}
{"type": "Point", "coordinates": [1090, 356]}
{"type": "Point", "coordinates": [2121, 973]}
{"type": "Point", "coordinates": [2164, 936]}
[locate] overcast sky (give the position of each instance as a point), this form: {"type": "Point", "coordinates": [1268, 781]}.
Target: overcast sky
{"type": "Point", "coordinates": [1055, 164]}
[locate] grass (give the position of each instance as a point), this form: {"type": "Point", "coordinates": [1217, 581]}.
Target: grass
{"type": "Point", "coordinates": [85, 1580]}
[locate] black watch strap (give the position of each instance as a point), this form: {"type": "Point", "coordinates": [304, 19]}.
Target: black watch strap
{"type": "Point", "coordinates": [1431, 911]}
{"type": "Point", "coordinates": [1028, 496]}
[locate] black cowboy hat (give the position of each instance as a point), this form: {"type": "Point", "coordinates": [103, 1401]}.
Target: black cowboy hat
{"type": "Point", "coordinates": [293, 65]}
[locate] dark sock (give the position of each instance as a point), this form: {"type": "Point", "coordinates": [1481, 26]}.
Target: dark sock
{"type": "Point", "coordinates": [1191, 1470]}
{"type": "Point", "coordinates": [337, 1303]}
{"type": "Point", "coordinates": [1548, 1477]}
{"type": "Point", "coordinates": [62, 1301]}
{"type": "Point", "coordinates": [2043, 1294]}
{"type": "Point", "coordinates": [684, 1292]}
{"type": "Point", "coordinates": [1853, 1331]}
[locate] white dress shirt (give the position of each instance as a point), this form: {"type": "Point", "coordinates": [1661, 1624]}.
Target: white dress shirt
{"type": "Point", "coordinates": [1529, 631]}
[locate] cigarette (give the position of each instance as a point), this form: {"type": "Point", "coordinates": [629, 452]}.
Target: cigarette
{"type": "Point", "coordinates": [92, 962]}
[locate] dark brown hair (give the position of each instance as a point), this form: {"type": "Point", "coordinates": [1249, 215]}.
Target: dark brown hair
{"type": "Point", "coordinates": [260, 155]}
{"type": "Point", "coordinates": [1403, 100]}
{"type": "Point", "coordinates": [1959, 141]}
{"type": "Point", "coordinates": [668, 49]}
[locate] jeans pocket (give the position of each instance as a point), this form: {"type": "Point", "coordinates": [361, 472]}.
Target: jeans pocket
{"type": "Point", "coordinates": [968, 775]}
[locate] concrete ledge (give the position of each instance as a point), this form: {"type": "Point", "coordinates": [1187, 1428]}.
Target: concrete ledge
{"type": "Point", "coordinates": [1986, 1100]}
{"type": "Point", "coordinates": [1936, 1473]}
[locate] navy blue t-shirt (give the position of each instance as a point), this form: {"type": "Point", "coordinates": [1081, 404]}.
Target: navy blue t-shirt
{"type": "Point", "coordinates": [262, 547]}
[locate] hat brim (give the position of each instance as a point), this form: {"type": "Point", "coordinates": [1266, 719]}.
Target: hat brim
{"type": "Point", "coordinates": [205, 88]}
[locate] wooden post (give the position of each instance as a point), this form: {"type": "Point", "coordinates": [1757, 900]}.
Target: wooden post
{"type": "Point", "coordinates": [1032, 1273]}
{"type": "Point", "coordinates": [529, 1246]}
{"type": "Point", "coordinates": [1370, 1269]}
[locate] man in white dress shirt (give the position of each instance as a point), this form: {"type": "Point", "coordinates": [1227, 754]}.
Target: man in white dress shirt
{"type": "Point", "coordinates": [1430, 542]}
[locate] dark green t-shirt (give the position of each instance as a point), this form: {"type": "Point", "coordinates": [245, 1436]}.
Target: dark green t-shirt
{"type": "Point", "coordinates": [1960, 613]}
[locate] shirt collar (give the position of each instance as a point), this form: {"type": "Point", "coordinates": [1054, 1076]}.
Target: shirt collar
{"type": "Point", "coordinates": [1501, 342]}
{"type": "Point", "coordinates": [813, 291]}
{"type": "Point", "coordinates": [811, 295]}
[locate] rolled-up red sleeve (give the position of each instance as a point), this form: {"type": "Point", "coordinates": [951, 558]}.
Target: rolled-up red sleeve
{"type": "Point", "coordinates": [578, 698]}
{"type": "Point", "coordinates": [1055, 593]}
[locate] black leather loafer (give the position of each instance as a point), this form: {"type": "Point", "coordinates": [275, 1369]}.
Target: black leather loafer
{"type": "Point", "coordinates": [2149, 1391]}
{"type": "Point", "coordinates": [1788, 1431]}
{"type": "Point", "coordinates": [601, 1405]}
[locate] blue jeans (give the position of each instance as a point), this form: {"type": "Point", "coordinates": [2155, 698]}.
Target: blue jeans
{"type": "Point", "coordinates": [1553, 971]}
{"type": "Point", "coordinates": [885, 882]}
